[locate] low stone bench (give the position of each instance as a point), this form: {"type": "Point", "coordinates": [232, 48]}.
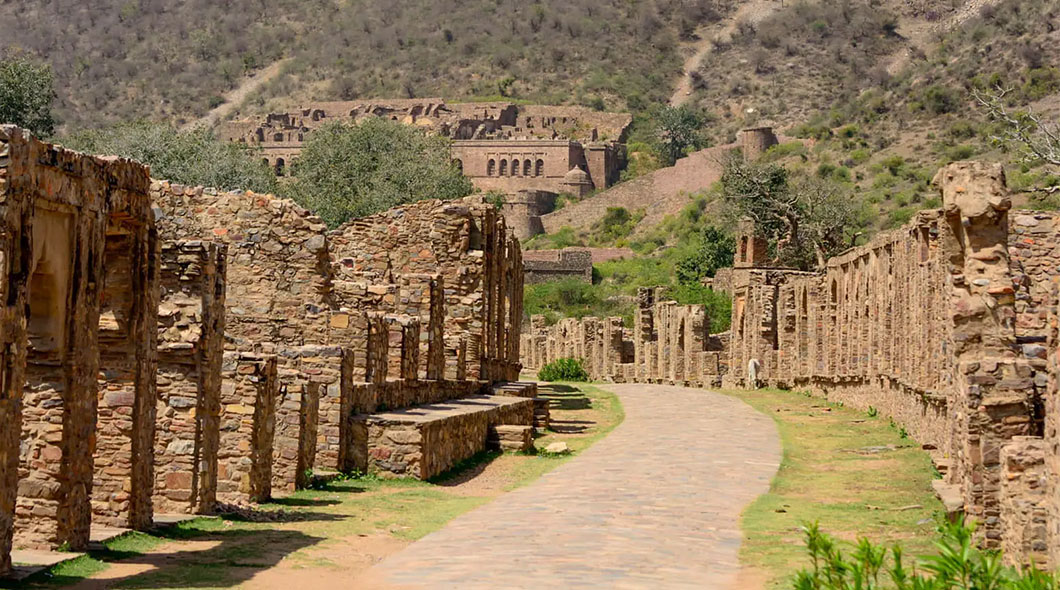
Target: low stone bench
{"type": "Point", "coordinates": [427, 440]}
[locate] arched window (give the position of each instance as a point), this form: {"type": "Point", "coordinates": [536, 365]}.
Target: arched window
{"type": "Point", "coordinates": [318, 115]}
{"type": "Point", "coordinates": [265, 161]}
{"type": "Point", "coordinates": [515, 167]}
{"type": "Point", "coordinates": [527, 170]}
{"type": "Point", "coordinates": [504, 167]}
{"type": "Point", "coordinates": [539, 168]}
{"type": "Point", "coordinates": [260, 134]}
{"type": "Point", "coordinates": [491, 167]}
{"type": "Point", "coordinates": [280, 164]}
{"type": "Point", "coordinates": [460, 164]}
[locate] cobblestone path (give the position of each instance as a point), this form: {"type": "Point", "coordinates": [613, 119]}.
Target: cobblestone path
{"type": "Point", "coordinates": [654, 505]}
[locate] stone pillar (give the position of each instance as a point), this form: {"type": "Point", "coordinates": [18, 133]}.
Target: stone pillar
{"type": "Point", "coordinates": [13, 227]}
{"type": "Point", "coordinates": [993, 384]}
{"type": "Point", "coordinates": [249, 393]}
{"type": "Point", "coordinates": [190, 349]}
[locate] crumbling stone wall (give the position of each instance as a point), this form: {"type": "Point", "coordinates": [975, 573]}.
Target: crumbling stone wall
{"type": "Point", "coordinates": [190, 352]}
{"type": "Point", "coordinates": [467, 243]}
{"type": "Point", "coordinates": [80, 275]}
{"type": "Point", "coordinates": [553, 265]}
{"type": "Point", "coordinates": [669, 343]}
{"type": "Point", "coordinates": [926, 325]}
{"type": "Point", "coordinates": [249, 393]}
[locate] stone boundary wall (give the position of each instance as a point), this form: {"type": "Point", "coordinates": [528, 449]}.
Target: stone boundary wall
{"type": "Point", "coordinates": [940, 326]}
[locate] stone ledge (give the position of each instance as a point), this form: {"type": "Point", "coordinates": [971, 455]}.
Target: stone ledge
{"type": "Point", "coordinates": [428, 440]}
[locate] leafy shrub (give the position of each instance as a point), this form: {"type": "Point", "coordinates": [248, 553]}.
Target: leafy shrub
{"type": "Point", "coordinates": [564, 369]}
{"type": "Point", "coordinates": [959, 564]}
{"type": "Point", "coordinates": [26, 95]}
{"type": "Point", "coordinates": [194, 157]}
{"type": "Point", "coordinates": [938, 99]}
{"type": "Point", "coordinates": [353, 170]}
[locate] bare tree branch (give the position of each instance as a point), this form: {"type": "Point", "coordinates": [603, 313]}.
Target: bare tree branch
{"type": "Point", "coordinates": [1040, 138]}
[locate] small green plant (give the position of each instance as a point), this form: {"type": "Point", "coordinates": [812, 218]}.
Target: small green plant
{"type": "Point", "coordinates": [564, 369]}
{"type": "Point", "coordinates": [959, 564]}
{"type": "Point", "coordinates": [902, 432]}
{"type": "Point", "coordinates": [873, 412]}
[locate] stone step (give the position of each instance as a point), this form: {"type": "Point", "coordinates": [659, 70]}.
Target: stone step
{"type": "Point", "coordinates": [510, 437]}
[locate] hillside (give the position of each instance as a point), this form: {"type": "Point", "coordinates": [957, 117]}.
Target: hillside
{"type": "Point", "coordinates": [125, 59]}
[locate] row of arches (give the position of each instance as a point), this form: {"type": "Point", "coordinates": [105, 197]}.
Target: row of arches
{"type": "Point", "coordinates": [279, 166]}
{"type": "Point", "coordinates": [515, 168]}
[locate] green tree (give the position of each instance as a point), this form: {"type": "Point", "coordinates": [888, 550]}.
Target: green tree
{"type": "Point", "coordinates": [806, 218]}
{"type": "Point", "coordinates": [713, 250]}
{"type": "Point", "coordinates": [352, 170]}
{"type": "Point", "coordinates": [194, 157]}
{"type": "Point", "coordinates": [26, 95]}
{"type": "Point", "coordinates": [678, 131]}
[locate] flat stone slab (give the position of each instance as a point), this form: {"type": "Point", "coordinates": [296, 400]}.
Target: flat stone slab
{"type": "Point", "coordinates": [655, 504]}
{"type": "Point", "coordinates": [28, 562]}
{"type": "Point", "coordinates": [440, 411]}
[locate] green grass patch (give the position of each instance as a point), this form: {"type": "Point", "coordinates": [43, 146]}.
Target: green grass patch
{"type": "Point", "coordinates": [853, 472]}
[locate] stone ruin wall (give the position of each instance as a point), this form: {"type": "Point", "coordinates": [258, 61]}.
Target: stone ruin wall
{"type": "Point", "coordinates": [553, 265]}
{"type": "Point", "coordinates": [80, 283]}
{"type": "Point", "coordinates": [227, 367]}
{"type": "Point", "coordinates": [942, 326]}
{"type": "Point", "coordinates": [467, 243]}
{"type": "Point", "coordinates": [946, 325]}
{"type": "Point", "coordinates": [191, 316]}
{"type": "Point", "coordinates": [669, 343]}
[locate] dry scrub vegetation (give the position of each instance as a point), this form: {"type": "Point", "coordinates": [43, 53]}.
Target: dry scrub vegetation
{"type": "Point", "coordinates": [127, 59]}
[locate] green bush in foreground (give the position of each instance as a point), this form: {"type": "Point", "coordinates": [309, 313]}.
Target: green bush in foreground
{"type": "Point", "coordinates": [959, 564]}
{"type": "Point", "coordinates": [566, 369]}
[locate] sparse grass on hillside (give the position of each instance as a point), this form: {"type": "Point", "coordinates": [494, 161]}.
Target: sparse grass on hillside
{"type": "Point", "coordinates": [150, 58]}
{"type": "Point", "coordinates": [855, 473]}
{"type": "Point", "coordinates": [820, 71]}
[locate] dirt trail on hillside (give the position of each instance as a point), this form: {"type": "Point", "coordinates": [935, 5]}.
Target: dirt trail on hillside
{"type": "Point", "coordinates": [920, 34]}
{"type": "Point", "coordinates": [754, 12]}
{"type": "Point", "coordinates": [237, 95]}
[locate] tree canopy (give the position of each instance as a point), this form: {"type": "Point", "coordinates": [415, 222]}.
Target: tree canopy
{"type": "Point", "coordinates": [26, 95]}
{"type": "Point", "coordinates": [347, 171]}
{"type": "Point", "coordinates": [805, 218]}
{"type": "Point", "coordinates": [194, 157]}
{"type": "Point", "coordinates": [678, 131]}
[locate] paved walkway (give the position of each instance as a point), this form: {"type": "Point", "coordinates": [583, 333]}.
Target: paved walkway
{"type": "Point", "coordinates": [654, 505]}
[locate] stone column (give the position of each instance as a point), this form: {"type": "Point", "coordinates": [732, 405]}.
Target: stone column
{"type": "Point", "coordinates": [993, 385]}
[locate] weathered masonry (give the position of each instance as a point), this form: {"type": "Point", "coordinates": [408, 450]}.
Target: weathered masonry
{"type": "Point", "coordinates": [947, 325]}
{"type": "Point", "coordinates": [79, 286]}
{"type": "Point", "coordinates": [225, 354]}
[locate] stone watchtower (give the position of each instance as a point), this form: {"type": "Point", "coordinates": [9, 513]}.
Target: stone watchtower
{"type": "Point", "coordinates": [577, 182]}
{"type": "Point", "coordinates": [754, 141]}
{"type": "Point", "coordinates": [751, 250]}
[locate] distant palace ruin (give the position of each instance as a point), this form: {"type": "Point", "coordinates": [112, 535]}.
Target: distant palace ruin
{"type": "Point", "coordinates": [500, 146]}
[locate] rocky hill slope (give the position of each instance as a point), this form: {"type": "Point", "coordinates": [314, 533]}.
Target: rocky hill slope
{"type": "Point", "coordinates": [125, 59]}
